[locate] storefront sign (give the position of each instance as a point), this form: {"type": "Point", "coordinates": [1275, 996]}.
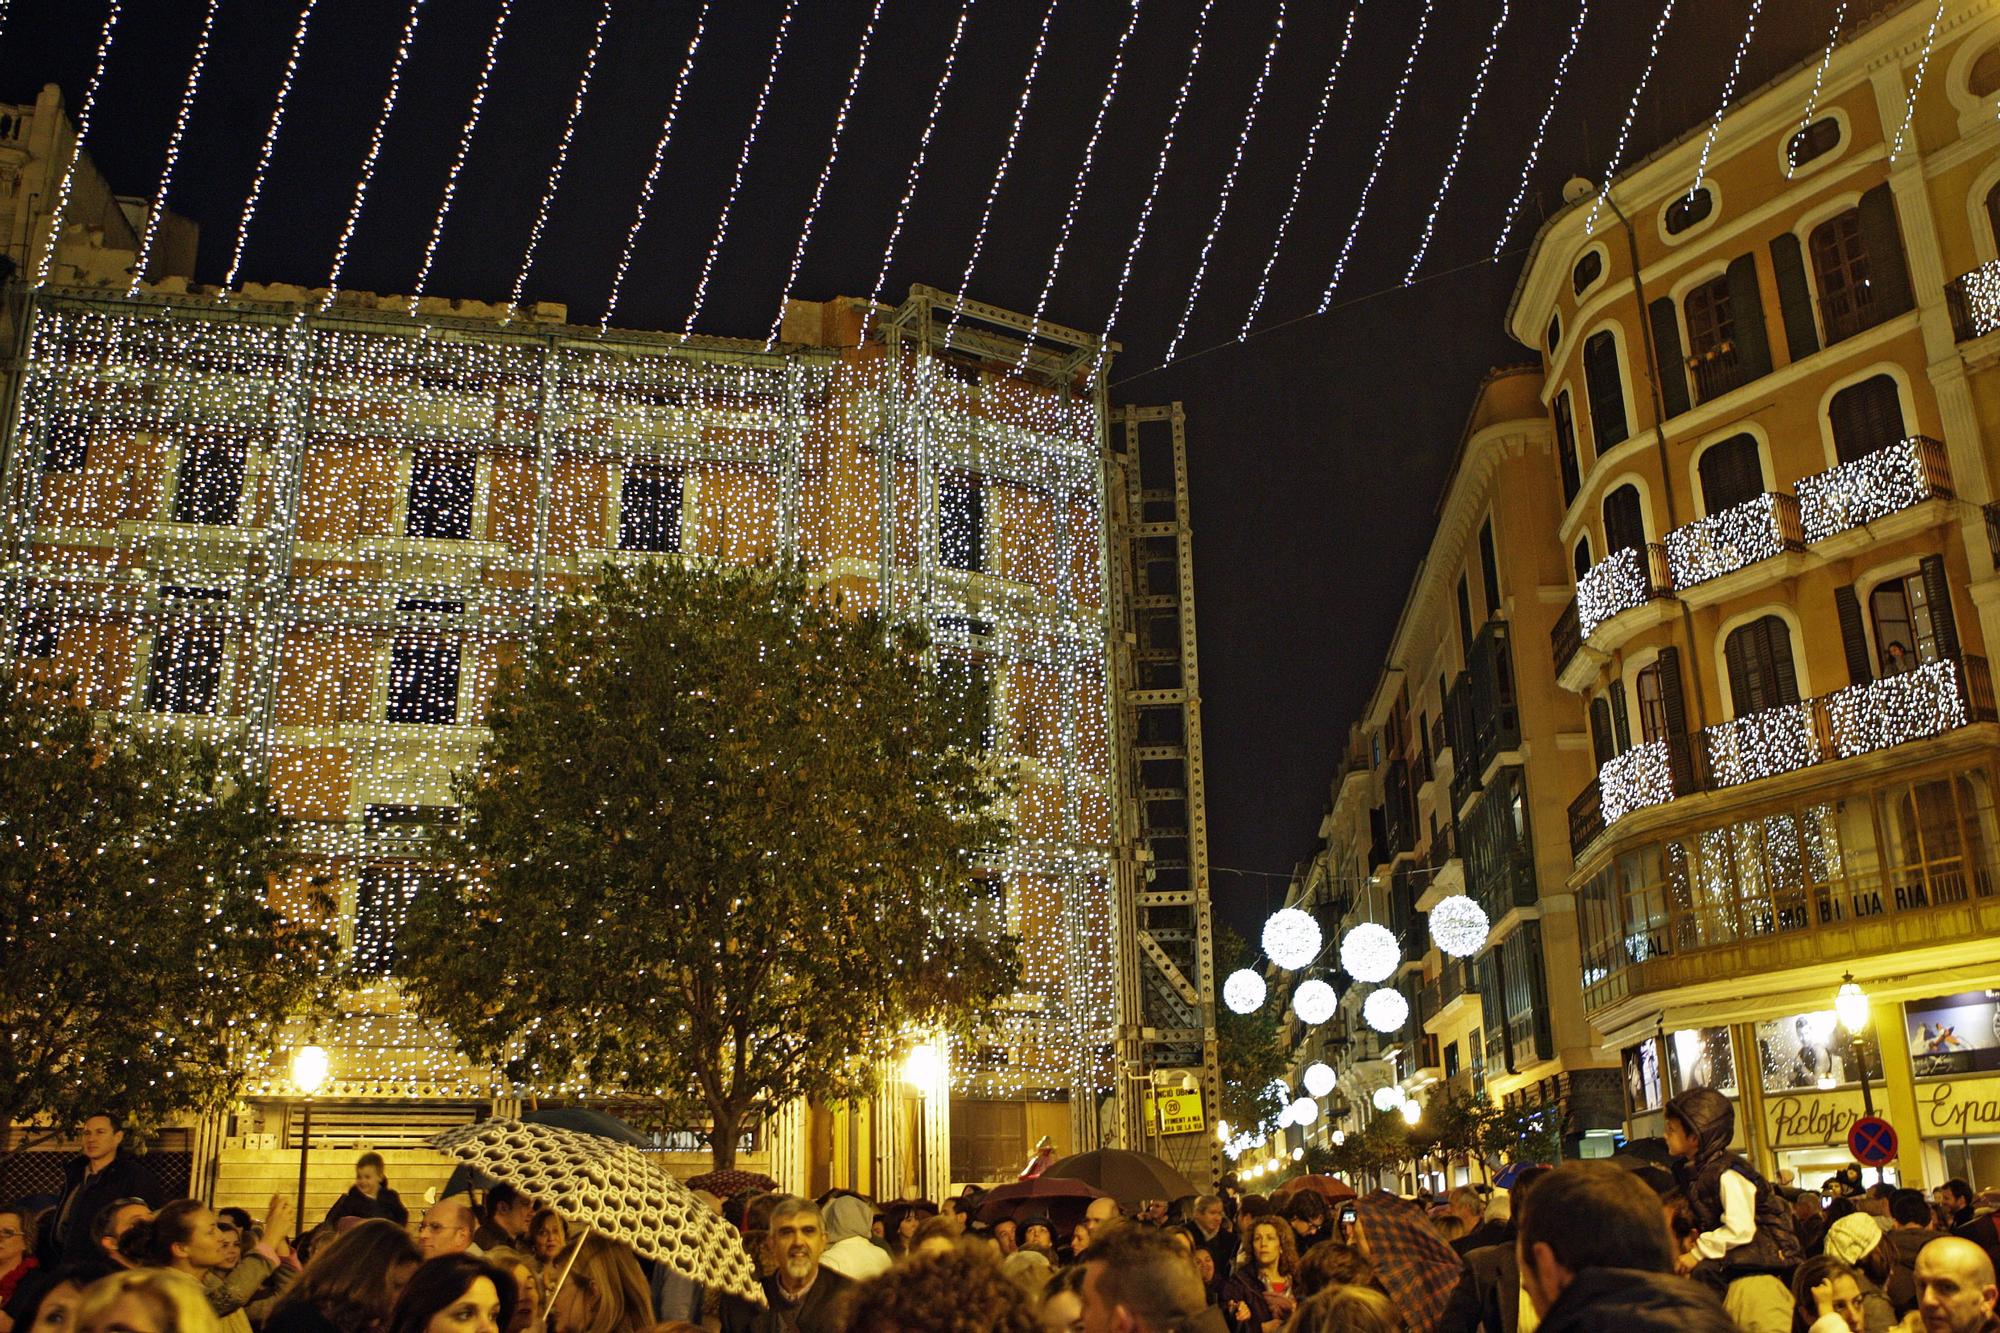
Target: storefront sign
{"type": "Point", "coordinates": [1810, 1119]}
{"type": "Point", "coordinates": [1959, 1108]}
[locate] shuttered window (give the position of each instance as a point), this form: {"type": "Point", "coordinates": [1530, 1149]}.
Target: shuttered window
{"type": "Point", "coordinates": [1840, 267]}
{"type": "Point", "coordinates": [1606, 388]}
{"type": "Point", "coordinates": [1732, 473]}
{"type": "Point", "coordinates": [1572, 477]}
{"type": "Point", "coordinates": [1905, 632]}
{"type": "Point", "coordinates": [1866, 417]}
{"type": "Point", "coordinates": [1624, 522]}
{"type": "Point", "coordinates": [1814, 141]}
{"type": "Point", "coordinates": [1761, 672]}
{"type": "Point", "coordinates": [1708, 318]}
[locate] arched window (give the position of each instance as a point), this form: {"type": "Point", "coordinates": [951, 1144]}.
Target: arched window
{"type": "Point", "coordinates": [1566, 457]}
{"type": "Point", "coordinates": [1761, 673]}
{"type": "Point", "coordinates": [1905, 634]}
{"type": "Point", "coordinates": [1815, 140]}
{"type": "Point", "coordinates": [1582, 558]}
{"type": "Point", "coordinates": [1588, 270]}
{"type": "Point", "coordinates": [1688, 209]}
{"type": "Point", "coordinates": [1732, 473]}
{"type": "Point", "coordinates": [1866, 417]}
{"type": "Point", "coordinates": [1650, 688]}
{"type": "Point", "coordinates": [1624, 520]}
{"type": "Point", "coordinates": [1993, 211]}
{"type": "Point", "coordinates": [1606, 387]}
{"type": "Point", "coordinates": [1984, 78]}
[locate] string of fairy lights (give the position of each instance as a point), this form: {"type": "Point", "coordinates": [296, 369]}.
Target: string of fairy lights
{"type": "Point", "coordinates": [1819, 78]}
{"type": "Point", "coordinates": [1458, 144]}
{"type": "Point", "coordinates": [825, 171]}
{"type": "Point", "coordinates": [174, 141]}
{"type": "Point", "coordinates": [652, 181]}
{"type": "Point", "coordinates": [1228, 189]}
{"type": "Point", "coordinates": [66, 185]}
{"type": "Point", "coordinates": [374, 155]}
{"type": "Point", "coordinates": [1631, 116]}
{"type": "Point", "coordinates": [1381, 152]}
{"type": "Point", "coordinates": [1916, 84]}
{"type": "Point", "coordinates": [270, 144]}
{"type": "Point", "coordinates": [466, 132]}
{"type": "Point", "coordinates": [1542, 127]}
{"type": "Point", "coordinates": [1728, 95]}
{"type": "Point", "coordinates": [554, 184]}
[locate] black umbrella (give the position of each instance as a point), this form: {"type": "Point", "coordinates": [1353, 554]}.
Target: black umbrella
{"type": "Point", "coordinates": [1129, 1177]}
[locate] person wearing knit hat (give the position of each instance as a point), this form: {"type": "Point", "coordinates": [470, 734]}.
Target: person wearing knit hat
{"type": "Point", "coordinates": [1856, 1240]}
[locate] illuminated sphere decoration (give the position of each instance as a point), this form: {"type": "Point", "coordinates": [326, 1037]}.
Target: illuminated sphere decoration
{"type": "Point", "coordinates": [1243, 991]}
{"type": "Point", "coordinates": [1304, 1111]}
{"type": "Point", "coordinates": [1385, 1010]}
{"type": "Point", "coordinates": [1459, 926]}
{"type": "Point", "coordinates": [1285, 1117]}
{"type": "Point", "coordinates": [1314, 1001]}
{"type": "Point", "coordinates": [1319, 1079]}
{"type": "Point", "coordinates": [1387, 1099]}
{"type": "Point", "coordinates": [1291, 938]}
{"type": "Point", "coordinates": [1277, 1090]}
{"type": "Point", "coordinates": [1369, 953]}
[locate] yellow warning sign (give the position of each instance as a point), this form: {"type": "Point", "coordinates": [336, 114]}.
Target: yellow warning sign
{"type": "Point", "coordinates": [1180, 1113]}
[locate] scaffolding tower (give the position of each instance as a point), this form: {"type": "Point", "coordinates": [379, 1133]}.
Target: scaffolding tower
{"type": "Point", "coordinates": [1166, 957]}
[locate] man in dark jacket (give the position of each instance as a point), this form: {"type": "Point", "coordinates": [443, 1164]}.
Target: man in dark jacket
{"type": "Point", "coordinates": [802, 1296]}
{"type": "Point", "coordinates": [100, 1176]}
{"type": "Point", "coordinates": [1594, 1254]}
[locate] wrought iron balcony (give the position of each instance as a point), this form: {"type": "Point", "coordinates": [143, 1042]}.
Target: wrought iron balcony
{"type": "Point", "coordinates": [1899, 477]}
{"type": "Point", "coordinates": [1974, 302]}
{"type": "Point", "coordinates": [1732, 539]}
{"type": "Point", "coordinates": [1926, 701]}
{"type": "Point", "coordinates": [1619, 582]}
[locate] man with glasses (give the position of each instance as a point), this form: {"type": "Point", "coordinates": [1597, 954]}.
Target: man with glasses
{"type": "Point", "coordinates": [447, 1229]}
{"type": "Point", "coordinates": [100, 1174]}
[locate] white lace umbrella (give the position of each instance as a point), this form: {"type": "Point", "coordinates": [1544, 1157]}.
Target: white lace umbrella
{"type": "Point", "coordinates": [613, 1189]}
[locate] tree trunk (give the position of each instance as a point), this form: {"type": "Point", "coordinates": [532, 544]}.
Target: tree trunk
{"type": "Point", "coordinates": [727, 1125]}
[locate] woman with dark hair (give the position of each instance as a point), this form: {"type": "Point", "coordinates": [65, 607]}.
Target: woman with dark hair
{"type": "Point", "coordinates": [46, 1302]}
{"type": "Point", "coordinates": [1826, 1297]}
{"type": "Point", "coordinates": [369, 1196]}
{"type": "Point", "coordinates": [454, 1293]}
{"type": "Point", "coordinates": [547, 1234]}
{"type": "Point", "coordinates": [351, 1284]}
{"type": "Point", "coordinates": [904, 1219]}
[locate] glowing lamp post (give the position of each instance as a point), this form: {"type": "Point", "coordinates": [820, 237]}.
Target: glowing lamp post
{"type": "Point", "coordinates": [1850, 1005]}
{"type": "Point", "coordinates": [309, 1070]}
{"type": "Point", "coordinates": [923, 1069]}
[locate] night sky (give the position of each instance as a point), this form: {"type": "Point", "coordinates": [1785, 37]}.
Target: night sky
{"type": "Point", "coordinates": [1318, 445]}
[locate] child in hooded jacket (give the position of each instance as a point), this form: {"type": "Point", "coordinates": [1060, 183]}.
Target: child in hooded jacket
{"type": "Point", "coordinates": [1743, 1226]}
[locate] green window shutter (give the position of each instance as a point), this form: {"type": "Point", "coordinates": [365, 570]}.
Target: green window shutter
{"type": "Point", "coordinates": [1944, 625]}
{"type": "Point", "coordinates": [1794, 297]}
{"type": "Point", "coordinates": [1888, 277]}
{"type": "Point", "coordinates": [1673, 361]}
{"type": "Point", "coordinates": [1853, 635]}
{"type": "Point", "coordinates": [1746, 311]}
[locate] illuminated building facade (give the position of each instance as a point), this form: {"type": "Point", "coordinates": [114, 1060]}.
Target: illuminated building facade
{"type": "Point", "coordinates": [1773, 403]}
{"type": "Point", "coordinates": [318, 530]}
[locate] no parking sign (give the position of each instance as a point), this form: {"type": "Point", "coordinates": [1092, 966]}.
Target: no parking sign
{"type": "Point", "coordinates": [1872, 1141]}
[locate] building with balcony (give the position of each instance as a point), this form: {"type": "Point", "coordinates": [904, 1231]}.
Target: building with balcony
{"type": "Point", "coordinates": [1456, 780]}
{"type": "Point", "coordinates": [1770, 383]}
{"type": "Point", "coordinates": [316, 529]}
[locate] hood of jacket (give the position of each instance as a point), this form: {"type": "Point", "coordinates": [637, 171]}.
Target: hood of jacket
{"type": "Point", "coordinates": [1634, 1300]}
{"type": "Point", "coordinates": [1709, 1116]}
{"type": "Point", "coordinates": [848, 1216]}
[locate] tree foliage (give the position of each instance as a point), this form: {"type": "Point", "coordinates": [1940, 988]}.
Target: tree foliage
{"type": "Point", "coordinates": [727, 847]}
{"type": "Point", "coordinates": [1247, 1048]}
{"type": "Point", "coordinates": [141, 965]}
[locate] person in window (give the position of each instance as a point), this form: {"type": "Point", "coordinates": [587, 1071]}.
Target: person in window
{"type": "Point", "coordinates": [1897, 660]}
{"type": "Point", "coordinates": [1744, 1227]}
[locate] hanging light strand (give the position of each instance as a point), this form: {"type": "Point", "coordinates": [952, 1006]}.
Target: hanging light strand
{"type": "Point", "coordinates": [1000, 173]}
{"type": "Point", "coordinates": [917, 163]}
{"type": "Point", "coordinates": [1819, 78]}
{"type": "Point", "coordinates": [1077, 187]}
{"type": "Point", "coordinates": [1458, 147]}
{"type": "Point", "coordinates": [465, 133]}
{"type": "Point", "coordinates": [1916, 85]}
{"type": "Point", "coordinates": [1381, 151]}
{"type": "Point", "coordinates": [825, 171]}
{"type": "Point", "coordinates": [554, 185]}
{"type": "Point", "coordinates": [1728, 94]}
{"type": "Point", "coordinates": [1159, 176]}
{"type": "Point", "coordinates": [1631, 116]}
{"type": "Point", "coordinates": [67, 185]}
{"type": "Point", "coordinates": [742, 165]}
{"type": "Point", "coordinates": [174, 141]}
{"type": "Point", "coordinates": [1229, 182]}
{"type": "Point", "coordinates": [1305, 165]}
{"type": "Point", "coordinates": [1542, 128]}
{"type": "Point", "coordinates": [403, 45]}
{"type": "Point", "coordinates": [652, 180]}
{"type": "Point", "coordinates": [270, 142]}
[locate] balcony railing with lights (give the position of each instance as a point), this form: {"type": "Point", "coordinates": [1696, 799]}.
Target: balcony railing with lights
{"type": "Point", "coordinates": [1974, 302]}
{"type": "Point", "coordinates": [1872, 487]}
{"type": "Point", "coordinates": [1926, 701]}
{"type": "Point", "coordinates": [1619, 582]}
{"type": "Point", "coordinates": [1733, 539]}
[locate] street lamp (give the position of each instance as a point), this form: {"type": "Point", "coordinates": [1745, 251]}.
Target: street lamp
{"type": "Point", "coordinates": [1850, 1004]}
{"type": "Point", "coordinates": [309, 1069]}
{"type": "Point", "coordinates": [923, 1067]}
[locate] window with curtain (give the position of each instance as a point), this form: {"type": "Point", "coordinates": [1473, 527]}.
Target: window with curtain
{"type": "Point", "coordinates": [1905, 636]}
{"type": "Point", "coordinates": [1761, 670]}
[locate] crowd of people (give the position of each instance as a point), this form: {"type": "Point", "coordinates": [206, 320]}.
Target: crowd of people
{"type": "Point", "coordinates": [1707, 1246]}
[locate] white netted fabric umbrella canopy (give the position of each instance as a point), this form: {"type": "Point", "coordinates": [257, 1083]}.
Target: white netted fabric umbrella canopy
{"type": "Point", "coordinates": [616, 1191]}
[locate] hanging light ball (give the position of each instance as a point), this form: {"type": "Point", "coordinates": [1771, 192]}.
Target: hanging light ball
{"type": "Point", "coordinates": [1314, 1001]}
{"type": "Point", "coordinates": [1304, 1111]}
{"type": "Point", "coordinates": [1369, 953]}
{"type": "Point", "coordinates": [1285, 1116]}
{"type": "Point", "coordinates": [1243, 991]}
{"type": "Point", "coordinates": [1412, 1112]}
{"type": "Point", "coordinates": [1291, 938]}
{"type": "Point", "coordinates": [1319, 1078]}
{"type": "Point", "coordinates": [1387, 1098]}
{"type": "Point", "coordinates": [1385, 1010]}
{"type": "Point", "coordinates": [1459, 926]}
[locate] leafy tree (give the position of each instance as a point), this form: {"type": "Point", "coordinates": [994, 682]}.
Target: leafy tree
{"type": "Point", "coordinates": [726, 848]}
{"type": "Point", "coordinates": [1522, 1134]}
{"type": "Point", "coordinates": [140, 963]}
{"type": "Point", "coordinates": [1246, 1045]}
